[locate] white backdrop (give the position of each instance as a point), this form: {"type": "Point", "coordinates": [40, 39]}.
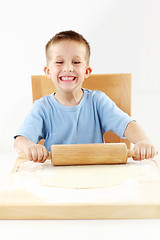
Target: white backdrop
{"type": "Point", "coordinates": [124, 36]}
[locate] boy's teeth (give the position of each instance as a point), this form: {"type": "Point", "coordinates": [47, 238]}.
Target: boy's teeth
{"type": "Point", "coordinates": [67, 78]}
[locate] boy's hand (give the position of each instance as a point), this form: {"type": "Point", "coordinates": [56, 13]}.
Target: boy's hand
{"type": "Point", "coordinates": [144, 150]}
{"type": "Point", "coordinates": [143, 146]}
{"type": "Point", "coordinates": [36, 153]}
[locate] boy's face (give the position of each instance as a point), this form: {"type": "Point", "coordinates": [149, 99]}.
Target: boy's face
{"type": "Point", "coordinates": [68, 67]}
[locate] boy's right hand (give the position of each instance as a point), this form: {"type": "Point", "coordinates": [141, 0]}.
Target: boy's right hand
{"type": "Point", "coordinates": [36, 153]}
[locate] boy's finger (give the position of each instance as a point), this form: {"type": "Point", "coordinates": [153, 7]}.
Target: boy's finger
{"type": "Point", "coordinates": [40, 154]}
{"type": "Point", "coordinates": [137, 155]}
{"type": "Point", "coordinates": [142, 153]}
{"type": "Point", "coordinates": [148, 153]}
{"type": "Point", "coordinates": [45, 155]}
{"type": "Point", "coordinates": [153, 152]}
{"type": "Point", "coordinates": [34, 155]}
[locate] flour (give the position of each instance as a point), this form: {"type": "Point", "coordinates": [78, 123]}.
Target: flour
{"type": "Point", "coordinates": [91, 176]}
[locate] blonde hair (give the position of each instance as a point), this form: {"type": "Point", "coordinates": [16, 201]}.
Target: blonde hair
{"type": "Point", "coordinates": [67, 35]}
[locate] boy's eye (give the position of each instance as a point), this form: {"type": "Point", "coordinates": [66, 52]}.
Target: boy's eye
{"type": "Point", "coordinates": [61, 62]}
{"type": "Point", "coordinates": [76, 62]}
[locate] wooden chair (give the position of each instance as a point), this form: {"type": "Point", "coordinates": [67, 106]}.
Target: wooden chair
{"type": "Point", "coordinates": [116, 86]}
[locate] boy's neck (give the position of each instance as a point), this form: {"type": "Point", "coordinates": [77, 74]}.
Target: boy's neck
{"type": "Point", "coordinates": [69, 99]}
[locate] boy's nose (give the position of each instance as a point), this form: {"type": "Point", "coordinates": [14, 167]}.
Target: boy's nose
{"type": "Point", "coordinates": [68, 68]}
{"type": "Point", "coordinates": [71, 70]}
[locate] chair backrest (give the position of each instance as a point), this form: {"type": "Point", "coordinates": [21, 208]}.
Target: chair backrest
{"type": "Point", "coordinates": [117, 86]}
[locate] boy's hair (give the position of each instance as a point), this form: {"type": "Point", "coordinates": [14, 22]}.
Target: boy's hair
{"type": "Point", "coordinates": [67, 35]}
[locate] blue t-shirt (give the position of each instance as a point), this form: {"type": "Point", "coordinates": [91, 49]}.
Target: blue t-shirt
{"type": "Point", "coordinates": [84, 123]}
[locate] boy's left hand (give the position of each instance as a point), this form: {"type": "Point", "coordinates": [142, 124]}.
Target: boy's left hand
{"type": "Point", "coordinates": [144, 150]}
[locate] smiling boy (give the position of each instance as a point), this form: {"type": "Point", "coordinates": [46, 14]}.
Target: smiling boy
{"type": "Point", "coordinates": [68, 67]}
{"type": "Point", "coordinates": [73, 115]}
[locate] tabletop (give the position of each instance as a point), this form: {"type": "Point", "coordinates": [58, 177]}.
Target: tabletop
{"type": "Point", "coordinates": [60, 229]}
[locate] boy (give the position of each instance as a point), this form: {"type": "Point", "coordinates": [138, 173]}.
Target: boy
{"type": "Point", "coordinates": [72, 114]}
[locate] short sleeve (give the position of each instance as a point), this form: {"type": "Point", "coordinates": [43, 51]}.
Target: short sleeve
{"type": "Point", "coordinates": [112, 117]}
{"type": "Point", "coordinates": [33, 126]}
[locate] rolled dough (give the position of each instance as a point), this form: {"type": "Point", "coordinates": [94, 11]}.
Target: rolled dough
{"type": "Point", "coordinates": [92, 176]}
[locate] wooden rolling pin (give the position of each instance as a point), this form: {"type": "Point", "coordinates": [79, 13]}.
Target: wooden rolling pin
{"type": "Point", "coordinates": [84, 154]}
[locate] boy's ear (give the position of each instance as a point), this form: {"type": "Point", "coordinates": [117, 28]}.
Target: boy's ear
{"type": "Point", "coordinates": [88, 72]}
{"type": "Point", "coordinates": [47, 71]}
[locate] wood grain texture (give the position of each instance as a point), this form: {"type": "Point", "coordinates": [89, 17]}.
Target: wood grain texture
{"type": "Point", "coordinates": [80, 211]}
{"type": "Point", "coordinates": [84, 154]}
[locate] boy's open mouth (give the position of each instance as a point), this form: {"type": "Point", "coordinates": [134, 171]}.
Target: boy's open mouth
{"type": "Point", "coordinates": [67, 78]}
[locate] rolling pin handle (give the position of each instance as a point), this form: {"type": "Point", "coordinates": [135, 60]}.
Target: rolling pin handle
{"type": "Point", "coordinates": [130, 153]}
{"type": "Point", "coordinates": [23, 155]}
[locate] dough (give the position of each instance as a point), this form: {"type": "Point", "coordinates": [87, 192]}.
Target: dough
{"type": "Point", "coordinates": [91, 176]}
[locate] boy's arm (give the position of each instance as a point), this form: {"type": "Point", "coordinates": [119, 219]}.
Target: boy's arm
{"type": "Point", "coordinates": [35, 152]}
{"type": "Point", "coordinates": [143, 146]}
